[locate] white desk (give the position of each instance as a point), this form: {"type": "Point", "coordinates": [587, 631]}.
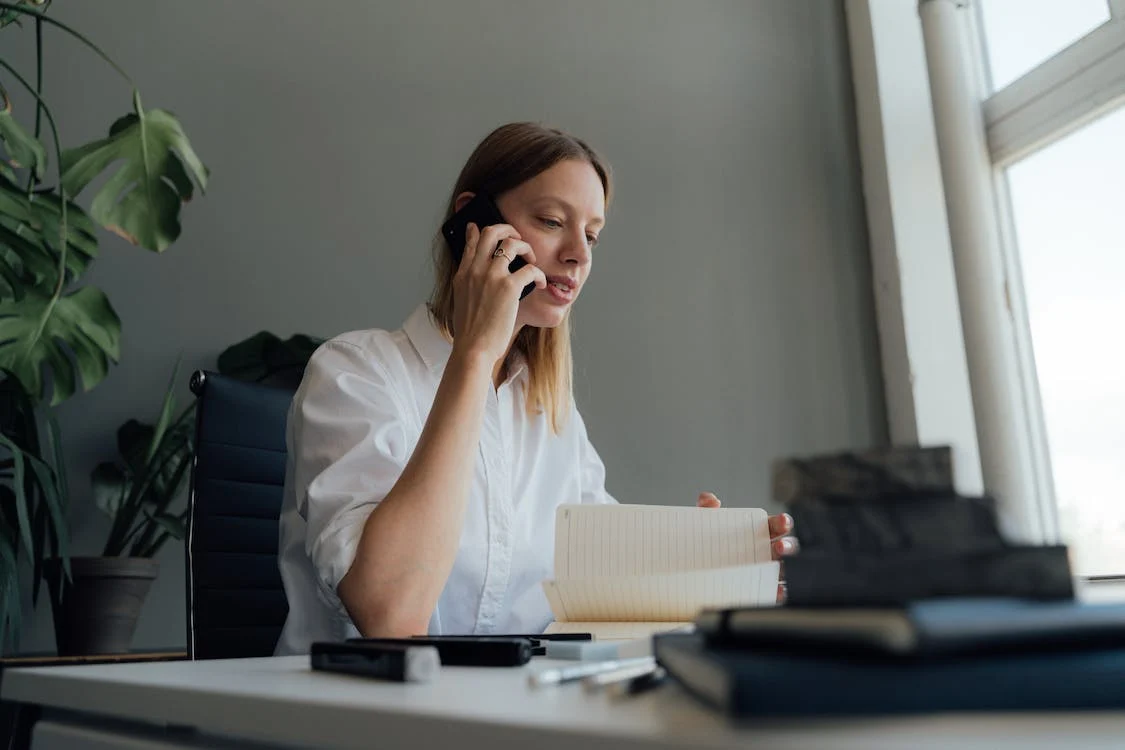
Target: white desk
{"type": "Point", "coordinates": [280, 702]}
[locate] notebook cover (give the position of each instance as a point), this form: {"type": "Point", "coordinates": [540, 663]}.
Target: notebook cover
{"type": "Point", "coordinates": [746, 683]}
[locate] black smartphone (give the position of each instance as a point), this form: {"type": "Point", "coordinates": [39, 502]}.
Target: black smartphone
{"type": "Point", "coordinates": [482, 211]}
{"type": "Point", "coordinates": [466, 651]}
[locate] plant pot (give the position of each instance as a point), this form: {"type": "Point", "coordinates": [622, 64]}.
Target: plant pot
{"type": "Point", "coordinates": [96, 611]}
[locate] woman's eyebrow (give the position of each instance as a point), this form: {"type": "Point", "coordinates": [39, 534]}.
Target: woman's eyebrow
{"type": "Point", "coordinates": [597, 220]}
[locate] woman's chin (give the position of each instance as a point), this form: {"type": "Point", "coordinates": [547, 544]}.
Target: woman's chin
{"type": "Point", "coordinates": [539, 315]}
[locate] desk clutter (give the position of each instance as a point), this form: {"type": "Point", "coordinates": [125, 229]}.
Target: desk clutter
{"type": "Point", "coordinates": [904, 598]}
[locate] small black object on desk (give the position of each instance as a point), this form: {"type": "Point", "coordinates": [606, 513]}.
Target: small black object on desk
{"type": "Point", "coordinates": [382, 661]}
{"type": "Point", "coordinates": [467, 651]}
{"type": "Point", "coordinates": [538, 640]}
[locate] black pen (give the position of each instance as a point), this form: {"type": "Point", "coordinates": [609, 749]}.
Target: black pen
{"type": "Point", "coordinates": [638, 685]}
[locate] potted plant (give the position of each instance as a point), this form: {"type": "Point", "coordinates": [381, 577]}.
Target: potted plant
{"type": "Point", "coordinates": [56, 334]}
{"type": "Point", "coordinates": [142, 492]}
{"type": "Point", "coordinates": [96, 608]}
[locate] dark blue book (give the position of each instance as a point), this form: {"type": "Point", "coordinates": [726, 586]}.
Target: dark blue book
{"type": "Point", "coordinates": [745, 682]}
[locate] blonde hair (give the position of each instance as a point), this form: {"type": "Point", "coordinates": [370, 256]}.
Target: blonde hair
{"type": "Point", "coordinates": [509, 156]}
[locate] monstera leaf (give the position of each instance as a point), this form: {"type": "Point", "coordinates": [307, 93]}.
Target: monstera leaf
{"type": "Point", "coordinates": [11, 16]}
{"type": "Point", "coordinates": [22, 148]}
{"type": "Point", "coordinates": [34, 332]}
{"type": "Point", "coordinates": [265, 358]}
{"type": "Point", "coordinates": [141, 200]}
{"type": "Point", "coordinates": [29, 239]}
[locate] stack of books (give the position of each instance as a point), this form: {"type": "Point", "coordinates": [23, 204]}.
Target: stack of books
{"type": "Point", "coordinates": [1002, 654]}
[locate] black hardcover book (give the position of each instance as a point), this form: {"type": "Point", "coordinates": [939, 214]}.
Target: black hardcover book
{"type": "Point", "coordinates": [750, 683]}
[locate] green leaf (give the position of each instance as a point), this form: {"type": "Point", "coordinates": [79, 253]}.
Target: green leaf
{"type": "Point", "coordinates": [9, 591]}
{"type": "Point", "coordinates": [39, 519]}
{"type": "Point", "coordinates": [155, 478]}
{"type": "Point", "coordinates": [110, 486]}
{"type": "Point", "coordinates": [57, 462]}
{"type": "Point", "coordinates": [133, 439]}
{"type": "Point", "coordinates": [29, 230]}
{"type": "Point", "coordinates": [33, 333]}
{"type": "Point", "coordinates": [10, 273]}
{"type": "Point", "coordinates": [172, 525]}
{"type": "Point", "coordinates": [81, 229]}
{"type": "Point", "coordinates": [172, 477]}
{"type": "Point", "coordinates": [55, 500]}
{"type": "Point", "coordinates": [22, 148]}
{"type": "Point", "coordinates": [141, 200]}
{"type": "Point", "coordinates": [23, 510]}
{"type": "Point", "coordinates": [13, 17]}
{"type": "Point", "coordinates": [264, 357]}
{"type": "Point", "coordinates": [167, 409]}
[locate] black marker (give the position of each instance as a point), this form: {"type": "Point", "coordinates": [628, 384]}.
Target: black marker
{"type": "Point", "coordinates": [389, 661]}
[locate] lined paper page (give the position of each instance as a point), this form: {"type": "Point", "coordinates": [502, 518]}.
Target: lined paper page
{"type": "Point", "coordinates": [632, 540]}
{"type": "Point", "coordinates": [666, 597]}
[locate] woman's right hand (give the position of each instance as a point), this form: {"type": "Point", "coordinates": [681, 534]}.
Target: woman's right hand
{"type": "Point", "coordinates": [486, 295]}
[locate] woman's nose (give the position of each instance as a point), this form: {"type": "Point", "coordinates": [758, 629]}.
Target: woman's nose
{"type": "Point", "coordinates": [577, 250]}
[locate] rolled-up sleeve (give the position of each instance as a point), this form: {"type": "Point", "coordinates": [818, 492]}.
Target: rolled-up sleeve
{"type": "Point", "coordinates": [590, 467]}
{"type": "Point", "coordinates": [349, 445]}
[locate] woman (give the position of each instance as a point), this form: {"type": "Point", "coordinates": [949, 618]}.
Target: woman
{"type": "Point", "coordinates": [425, 464]}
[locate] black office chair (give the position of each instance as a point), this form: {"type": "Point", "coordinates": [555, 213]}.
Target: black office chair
{"type": "Point", "coordinates": [236, 605]}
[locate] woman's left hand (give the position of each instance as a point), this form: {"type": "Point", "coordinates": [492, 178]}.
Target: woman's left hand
{"type": "Point", "coordinates": [781, 529]}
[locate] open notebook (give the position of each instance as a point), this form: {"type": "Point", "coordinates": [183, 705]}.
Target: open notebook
{"type": "Point", "coordinates": [627, 571]}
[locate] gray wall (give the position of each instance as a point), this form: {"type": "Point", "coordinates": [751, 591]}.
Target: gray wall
{"type": "Point", "coordinates": [729, 319]}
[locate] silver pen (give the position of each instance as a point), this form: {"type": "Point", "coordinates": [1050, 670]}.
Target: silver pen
{"type": "Point", "coordinates": [598, 681]}
{"type": "Point", "coordinates": [569, 673]}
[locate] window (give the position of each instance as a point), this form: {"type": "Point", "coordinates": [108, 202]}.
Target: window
{"type": "Point", "coordinates": [1023, 33]}
{"type": "Point", "coordinates": [1056, 132]}
{"type": "Point", "coordinates": [1023, 177]}
{"type": "Point", "coordinates": [1067, 204]}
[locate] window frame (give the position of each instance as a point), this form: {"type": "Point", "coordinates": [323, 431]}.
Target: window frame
{"type": "Point", "coordinates": [965, 136]}
{"type": "Point", "coordinates": [1058, 96]}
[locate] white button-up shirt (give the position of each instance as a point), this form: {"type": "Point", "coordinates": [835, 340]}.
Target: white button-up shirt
{"type": "Point", "coordinates": [354, 423]}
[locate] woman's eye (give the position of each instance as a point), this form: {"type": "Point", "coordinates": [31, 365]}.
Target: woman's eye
{"type": "Point", "coordinates": [551, 223]}
{"type": "Point", "coordinates": [592, 239]}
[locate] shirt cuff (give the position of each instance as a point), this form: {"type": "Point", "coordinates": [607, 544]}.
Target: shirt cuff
{"type": "Point", "coordinates": [333, 553]}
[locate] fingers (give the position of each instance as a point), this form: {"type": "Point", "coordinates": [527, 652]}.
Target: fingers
{"type": "Point", "coordinates": [529, 274]}
{"type": "Point", "coordinates": [786, 545]}
{"type": "Point", "coordinates": [708, 500]}
{"type": "Point", "coordinates": [472, 235]}
{"type": "Point", "coordinates": [781, 525]}
{"type": "Point", "coordinates": [489, 237]}
{"type": "Point", "coordinates": [512, 248]}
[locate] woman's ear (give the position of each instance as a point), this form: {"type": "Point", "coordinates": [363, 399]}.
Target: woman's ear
{"type": "Point", "coordinates": [462, 199]}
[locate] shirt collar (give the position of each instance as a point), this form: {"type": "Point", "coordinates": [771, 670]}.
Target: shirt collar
{"type": "Point", "coordinates": [434, 348]}
{"type": "Point", "coordinates": [423, 332]}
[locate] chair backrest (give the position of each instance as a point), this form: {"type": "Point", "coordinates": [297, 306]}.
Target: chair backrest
{"type": "Point", "coordinates": [236, 604]}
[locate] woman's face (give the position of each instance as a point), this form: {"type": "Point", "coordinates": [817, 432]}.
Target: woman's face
{"type": "Point", "coordinates": [560, 213]}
